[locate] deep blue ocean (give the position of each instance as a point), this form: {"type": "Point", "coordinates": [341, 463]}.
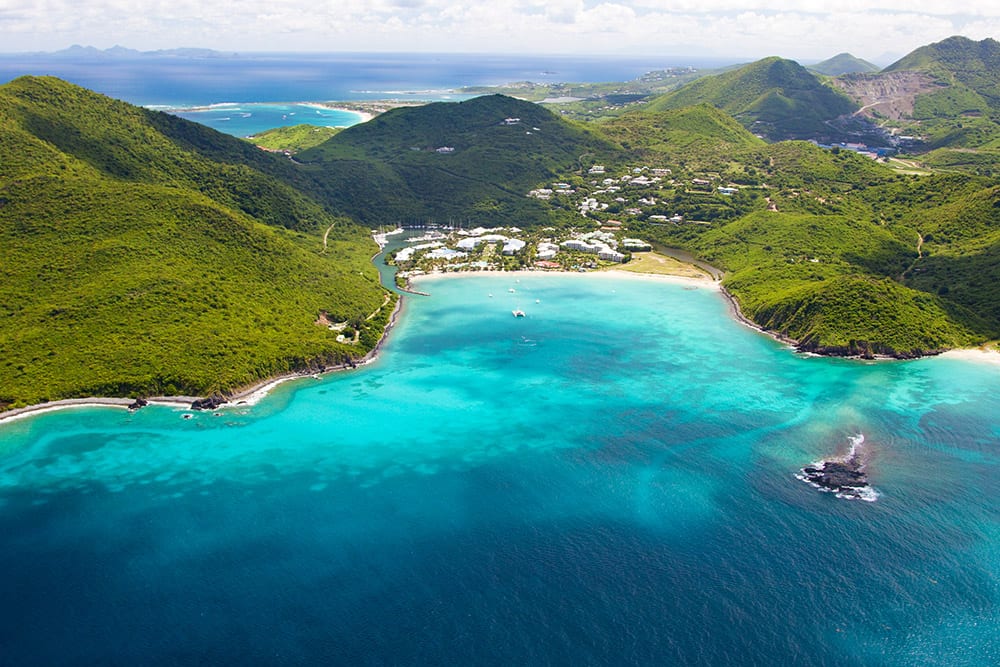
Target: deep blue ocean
{"type": "Point", "coordinates": [609, 480]}
{"type": "Point", "coordinates": [183, 83]}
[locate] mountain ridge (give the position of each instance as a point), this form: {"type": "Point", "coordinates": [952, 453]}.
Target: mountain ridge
{"type": "Point", "coordinates": [773, 97]}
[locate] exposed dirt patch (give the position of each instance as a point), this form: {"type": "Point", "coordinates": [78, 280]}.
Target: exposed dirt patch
{"type": "Point", "coordinates": [889, 95]}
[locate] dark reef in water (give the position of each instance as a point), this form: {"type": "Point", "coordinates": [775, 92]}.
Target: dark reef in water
{"type": "Point", "coordinates": [843, 476]}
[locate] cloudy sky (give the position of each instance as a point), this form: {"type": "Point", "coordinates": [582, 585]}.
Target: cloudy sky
{"type": "Point", "coordinates": [803, 29]}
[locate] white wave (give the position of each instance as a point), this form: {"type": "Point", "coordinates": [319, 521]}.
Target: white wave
{"type": "Point", "coordinates": [856, 442]}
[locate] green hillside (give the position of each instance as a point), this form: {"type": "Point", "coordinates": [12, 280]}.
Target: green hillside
{"type": "Point", "coordinates": [700, 136]}
{"type": "Point", "coordinates": [773, 97]}
{"type": "Point", "coordinates": [835, 250]}
{"type": "Point", "coordinates": [294, 138]}
{"type": "Point", "coordinates": [843, 63]}
{"type": "Point", "coordinates": [471, 161]}
{"type": "Point", "coordinates": [975, 65]}
{"type": "Point", "coordinates": [960, 257]}
{"type": "Point", "coordinates": [961, 110]}
{"type": "Point", "coordinates": [133, 265]}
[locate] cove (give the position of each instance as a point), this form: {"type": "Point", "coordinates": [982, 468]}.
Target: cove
{"type": "Point", "coordinates": [610, 479]}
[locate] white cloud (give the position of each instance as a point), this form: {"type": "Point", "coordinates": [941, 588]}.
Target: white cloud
{"type": "Point", "coordinates": [736, 28]}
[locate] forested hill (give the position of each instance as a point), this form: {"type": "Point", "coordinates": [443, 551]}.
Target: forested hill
{"type": "Point", "coordinates": [830, 248]}
{"type": "Point", "coordinates": [774, 97]}
{"type": "Point", "coordinates": [699, 135]}
{"type": "Point", "coordinates": [471, 161]}
{"type": "Point", "coordinates": [946, 94]}
{"type": "Point", "coordinates": [976, 65]}
{"type": "Point", "coordinates": [133, 264]}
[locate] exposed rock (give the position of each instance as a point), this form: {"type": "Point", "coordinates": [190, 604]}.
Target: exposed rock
{"type": "Point", "coordinates": [863, 350]}
{"type": "Point", "coordinates": [138, 403]}
{"type": "Point", "coordinates": [208, 403]}
{"type": "Point", "coordinates": [844, 477]}
{"type": "Point", "coordinates": [835, 475]}
{"type": "Point", "coordinates": [889, 94]}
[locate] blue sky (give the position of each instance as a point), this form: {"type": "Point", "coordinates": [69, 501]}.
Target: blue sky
{"type": "Point", "coordinates": [807, 30]}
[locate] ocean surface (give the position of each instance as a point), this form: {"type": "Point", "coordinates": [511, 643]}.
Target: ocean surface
{"type": "Point", "coordinates": [609, 480]}
{"type": "Point", "coordinates": [262, 84]}
{"type": "Point", "coordinates": [248, 119]}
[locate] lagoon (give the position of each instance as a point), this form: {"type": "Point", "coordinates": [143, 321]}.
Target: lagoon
{"type": "Point", "coordinates": [610, 479]}
{"type": "Point", "coordinates": [247, 119]}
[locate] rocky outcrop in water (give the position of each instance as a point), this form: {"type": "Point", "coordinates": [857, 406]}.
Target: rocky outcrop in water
{"type": "Point", "coordinates": [208, 403]}
{"type": "Point", "coordinates": [138, 403]}
{"type": "Point", "coordinates": [844, 476]}
{"type": "Point", "coordinates": [837, 477]}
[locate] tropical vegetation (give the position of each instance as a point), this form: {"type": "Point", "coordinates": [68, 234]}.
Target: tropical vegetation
{"type": "Point", "coordinates": [144, 254]}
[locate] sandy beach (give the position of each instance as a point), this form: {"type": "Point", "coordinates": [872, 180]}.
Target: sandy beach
{"type": "Point", "coordinates": [977, 354]}
{"type": "Point", "coordinates": [365, 116]}
{"type": "Point", "coordinates": [616, 274]}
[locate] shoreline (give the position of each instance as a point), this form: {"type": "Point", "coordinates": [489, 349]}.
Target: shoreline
{"type": "Point", "coordinates": [247, 396]}
{"type": "Point", "coordinates": [344, 107]}
{"type": "Point", "coordinates": [251, 395]}
{"type": "Point", "coordinates": [607, 273]}
{"type": "Point", "coordinates": [737, 313]}
{"type": "Point", "coordinates": [364, 116]}
{"type": "Point", "coordinates": [983, 354]}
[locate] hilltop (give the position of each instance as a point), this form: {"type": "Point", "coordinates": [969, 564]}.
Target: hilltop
{"type": "Point", "coordinates": [843, 63]}
{"type": "Point", "coordinates": [976, 65]}
{"type": "Point", "coordinates": [700, 135]}
{"type": "Point", "coordinates": [135, 265]}
{"type": "Point", "coordinates": [774, 98]}
{"type": "Point", "coordinates": [946, 93]}
{"type": "Point", "coordinates": [470, 162]}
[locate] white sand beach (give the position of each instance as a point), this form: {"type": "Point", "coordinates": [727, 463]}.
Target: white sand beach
{"type": "Point", "coordinates": [976, 354]}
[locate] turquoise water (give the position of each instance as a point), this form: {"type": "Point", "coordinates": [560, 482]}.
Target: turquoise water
{"type": "Point", "coordinates": [609, 480]}
{"type": "Point", "coordinates": [244, 120]}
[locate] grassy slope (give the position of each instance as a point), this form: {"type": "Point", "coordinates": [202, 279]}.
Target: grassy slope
{"type": "Point", "coordinates": [961, 250]}
{"type": "Point", "coordinates": [128, 268]}
{"type": "Point", "coordinates": [294, 139]}
{"type": "Point", "coordinates": [773, 97]}
{"type": "Point", "coordinates": [701, 135]}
